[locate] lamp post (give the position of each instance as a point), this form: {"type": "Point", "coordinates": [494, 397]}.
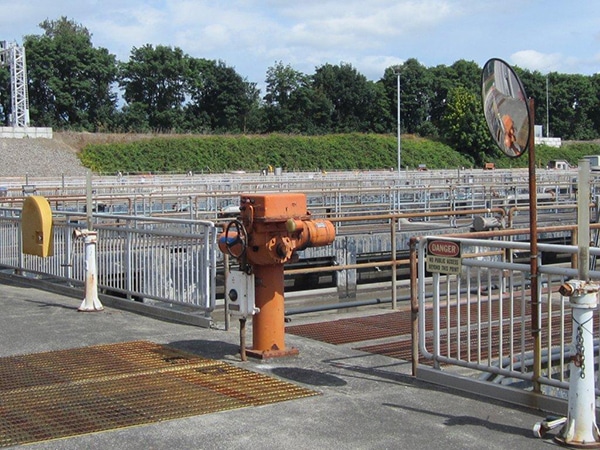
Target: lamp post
{"type": "Point", "coordinates": [547, 107]}
{"type": "Point", "coordinates": [398, 116]}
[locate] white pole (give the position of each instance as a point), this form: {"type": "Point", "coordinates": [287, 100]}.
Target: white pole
{"type": "Point", "coordinates": [398, 115]}
{"type": "Point", "coordinates": [583, 218]}
{"type": "Point", "coordinates": [547, 108]}
{"type": "Point", "coordinates": [91, 302]}
{"type": "Point", "coordinates": [580, 430]}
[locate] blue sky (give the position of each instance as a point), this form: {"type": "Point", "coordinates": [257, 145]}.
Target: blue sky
{"type": "Point", "coordinates": [252, 35]}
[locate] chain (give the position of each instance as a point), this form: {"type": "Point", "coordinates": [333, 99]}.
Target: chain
{"type": "Point", "coordinates": [578, 358]}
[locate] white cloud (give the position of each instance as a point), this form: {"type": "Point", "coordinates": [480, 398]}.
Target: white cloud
{"type": "Point", "coordinates": [534, 60]}
{"type": "Point", "coordinates": [374, 66]}
{"type": "Point", "coordinates": [554, 62]}
{"type": "Point", "coordinates": [354, 25]}
{"type": "Point", "coordinates": [252, 35]}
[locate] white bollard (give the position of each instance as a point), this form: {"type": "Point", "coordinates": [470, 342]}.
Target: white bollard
{"type": "Point", "coordinates": [580, 429]}
{"type": "Point", "coordinates": [91, 302]}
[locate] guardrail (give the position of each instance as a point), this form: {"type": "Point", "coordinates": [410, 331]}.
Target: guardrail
{"type": "Point", "coordinates": [204, 196]}
{"type": "Point", "coordinates": [165, 261]}
{"type": "Point", "coordinates": [479, 318]}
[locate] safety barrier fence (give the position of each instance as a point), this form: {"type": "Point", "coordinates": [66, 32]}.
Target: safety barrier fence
{"type": "Point", "coordinates": [170, 261]}
{"type": "Point", "coordinates": [206, 196]}
{"type": "Point", "coordinates": [479, 317]}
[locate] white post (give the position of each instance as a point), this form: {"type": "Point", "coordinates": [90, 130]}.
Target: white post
{"type": "Point", "coordinates": [399, 123]}
{"type": "Point", "coordinates": [580, 429]}
{"type": "Point", "coordinates": [91, 302]}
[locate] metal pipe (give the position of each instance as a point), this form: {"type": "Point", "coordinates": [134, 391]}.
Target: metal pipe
{"type": "Point", "coordinates": [399, 122]}
{"type": "Point", "coordinates": [355, 304]}
{"type": "Point", "coordinates": [394, 265]}
{"type": "Point", "coordinates": [583, 218]}
{"type": "Point", "coordinates": [533, 256]}
{"type": "Point", "coordinates": [226, 298]}
{"type": "Point", "coordinates": [243, 355]}
{"type": "Point", "coordinates": [341, 305]}
{"type": "Point", "coordinates": [414, 306]}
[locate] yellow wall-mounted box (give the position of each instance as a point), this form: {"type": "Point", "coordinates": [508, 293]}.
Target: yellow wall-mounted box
{"type": "Point", "coordinates": [36, 227]}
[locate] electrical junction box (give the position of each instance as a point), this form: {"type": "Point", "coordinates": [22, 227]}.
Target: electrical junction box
{"type": "Point", "coordinates": [240, 294]}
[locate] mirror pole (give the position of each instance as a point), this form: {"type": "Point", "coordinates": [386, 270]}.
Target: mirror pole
{"type": "Point", "coordinates": [535, 300]}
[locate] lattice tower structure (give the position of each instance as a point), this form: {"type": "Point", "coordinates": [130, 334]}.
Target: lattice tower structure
{"type": "Point", "coordinates": [13, 56]}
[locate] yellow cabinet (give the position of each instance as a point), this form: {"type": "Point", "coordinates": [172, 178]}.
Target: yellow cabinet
{"type": "Point", "coordinates": [36, 227]}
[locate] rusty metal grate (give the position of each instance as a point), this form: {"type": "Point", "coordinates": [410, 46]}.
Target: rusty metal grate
{"type": "Point", "coordinates": [489, 336]}
{"type": "Point", "coordinates": [344, 331]}
{"type": "Point", "coordinates": [398, 325]}
{"type": "Point", "coordinates": [71, 392]}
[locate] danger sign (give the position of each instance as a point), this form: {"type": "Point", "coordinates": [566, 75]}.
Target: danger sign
{"type": "Point", "coordinates": [440, 247]}
{"type": "Point", "coordinates": [443, 256]}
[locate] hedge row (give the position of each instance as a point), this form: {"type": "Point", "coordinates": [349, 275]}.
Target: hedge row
{"type": "Point", "coordinates": [253, 153]}
{"type": "Point", "coordinates": [299, 153]}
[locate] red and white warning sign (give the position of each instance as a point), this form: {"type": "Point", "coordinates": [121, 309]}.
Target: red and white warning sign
{"type": "Point", "coordinates": [443, 256]}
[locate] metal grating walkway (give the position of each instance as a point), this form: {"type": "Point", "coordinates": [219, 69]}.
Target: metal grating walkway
{"type": "Point", "coordinates": [71, 392]}
{"type": "Point", "coordinates": [345, 331]}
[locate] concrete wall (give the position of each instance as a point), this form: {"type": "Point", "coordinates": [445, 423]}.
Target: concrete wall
{"type": "Point", "coordinates": [26, 132]}
{"type": "Point", "coordinates": [551, 142]}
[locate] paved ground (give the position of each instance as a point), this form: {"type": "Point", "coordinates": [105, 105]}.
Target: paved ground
{"type": "Point", "coordinates": [367, 402]}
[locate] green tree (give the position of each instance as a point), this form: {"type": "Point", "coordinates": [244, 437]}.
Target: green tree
{"type": "Point", "coordinates": [283, 84]}
{"type": "Point", "coordinates": [70, 80]}
{"type": "Point", "coordinates": [311, 112]}
{"type": "Point", "coordinates": [380, 119]}
{"type": "Point", "coordinates": [594, 113]}
{"type": "Point", "coordinates": [464, 126]}
{"type": "Point", "coordinates": [415, 94]}
{"type": "Point", "coordinates": [355, 101]}
{"type": "Point", "coordinates": [220, 98]}
{"type": "Point", "coordinates": [534, 84]}
{"type": "Point", "coordinates": [133, 118]}
{"type": "Point", "coordinates": [154, 81]}
{"type": "Point", "coordinates": [572, 99]}
{"type": "Point", "coordinates": [466, 74]}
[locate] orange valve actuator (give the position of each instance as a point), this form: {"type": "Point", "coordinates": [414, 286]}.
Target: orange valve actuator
{"type": "Point", "coordinates": [270, 229]}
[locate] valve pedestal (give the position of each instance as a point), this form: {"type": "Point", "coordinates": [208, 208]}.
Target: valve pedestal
{"type": "Point", "coordinates": [580, 429]}
{"type": "Point", "coordinates": [91, 302]}
{"type": "Point", "coordinates": [270, 229]}
{"type": "Point", "coordinates": [268, 326]}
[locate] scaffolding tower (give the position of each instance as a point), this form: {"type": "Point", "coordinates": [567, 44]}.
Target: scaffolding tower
{"type": "Point", "coordinates": [13, 56]}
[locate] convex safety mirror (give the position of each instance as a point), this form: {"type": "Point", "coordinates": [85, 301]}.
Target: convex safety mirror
{"type": "Point", "coordinates": [505, 107]}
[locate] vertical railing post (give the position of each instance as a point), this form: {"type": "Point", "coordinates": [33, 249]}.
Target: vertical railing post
{"type": "Point", "coordinates": [394, 265]}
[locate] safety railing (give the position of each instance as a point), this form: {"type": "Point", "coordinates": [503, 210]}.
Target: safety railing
{"type": "Point", "coordinates": [475, 310]}
{"type": "Point", "coordinates": [205, 196]}
{"type": "Point", "coordinates": [172, 261]}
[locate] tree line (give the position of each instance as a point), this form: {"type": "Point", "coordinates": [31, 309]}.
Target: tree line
{"type": "Point", "coordinates": [74, 85]}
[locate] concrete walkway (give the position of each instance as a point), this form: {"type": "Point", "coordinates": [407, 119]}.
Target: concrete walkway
{"type": "Point", "coordinates": [367, 402]}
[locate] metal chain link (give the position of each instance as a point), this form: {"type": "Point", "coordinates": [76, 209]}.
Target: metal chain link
{"type": "Point", "coordinates": [579, 358]}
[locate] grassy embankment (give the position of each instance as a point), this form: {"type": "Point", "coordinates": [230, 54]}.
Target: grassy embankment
{"type": "Point", "coordinates": [180, 154]}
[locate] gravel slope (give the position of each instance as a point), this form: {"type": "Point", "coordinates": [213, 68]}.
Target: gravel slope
{"type": "Point", "coordinates": [38, 158]}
